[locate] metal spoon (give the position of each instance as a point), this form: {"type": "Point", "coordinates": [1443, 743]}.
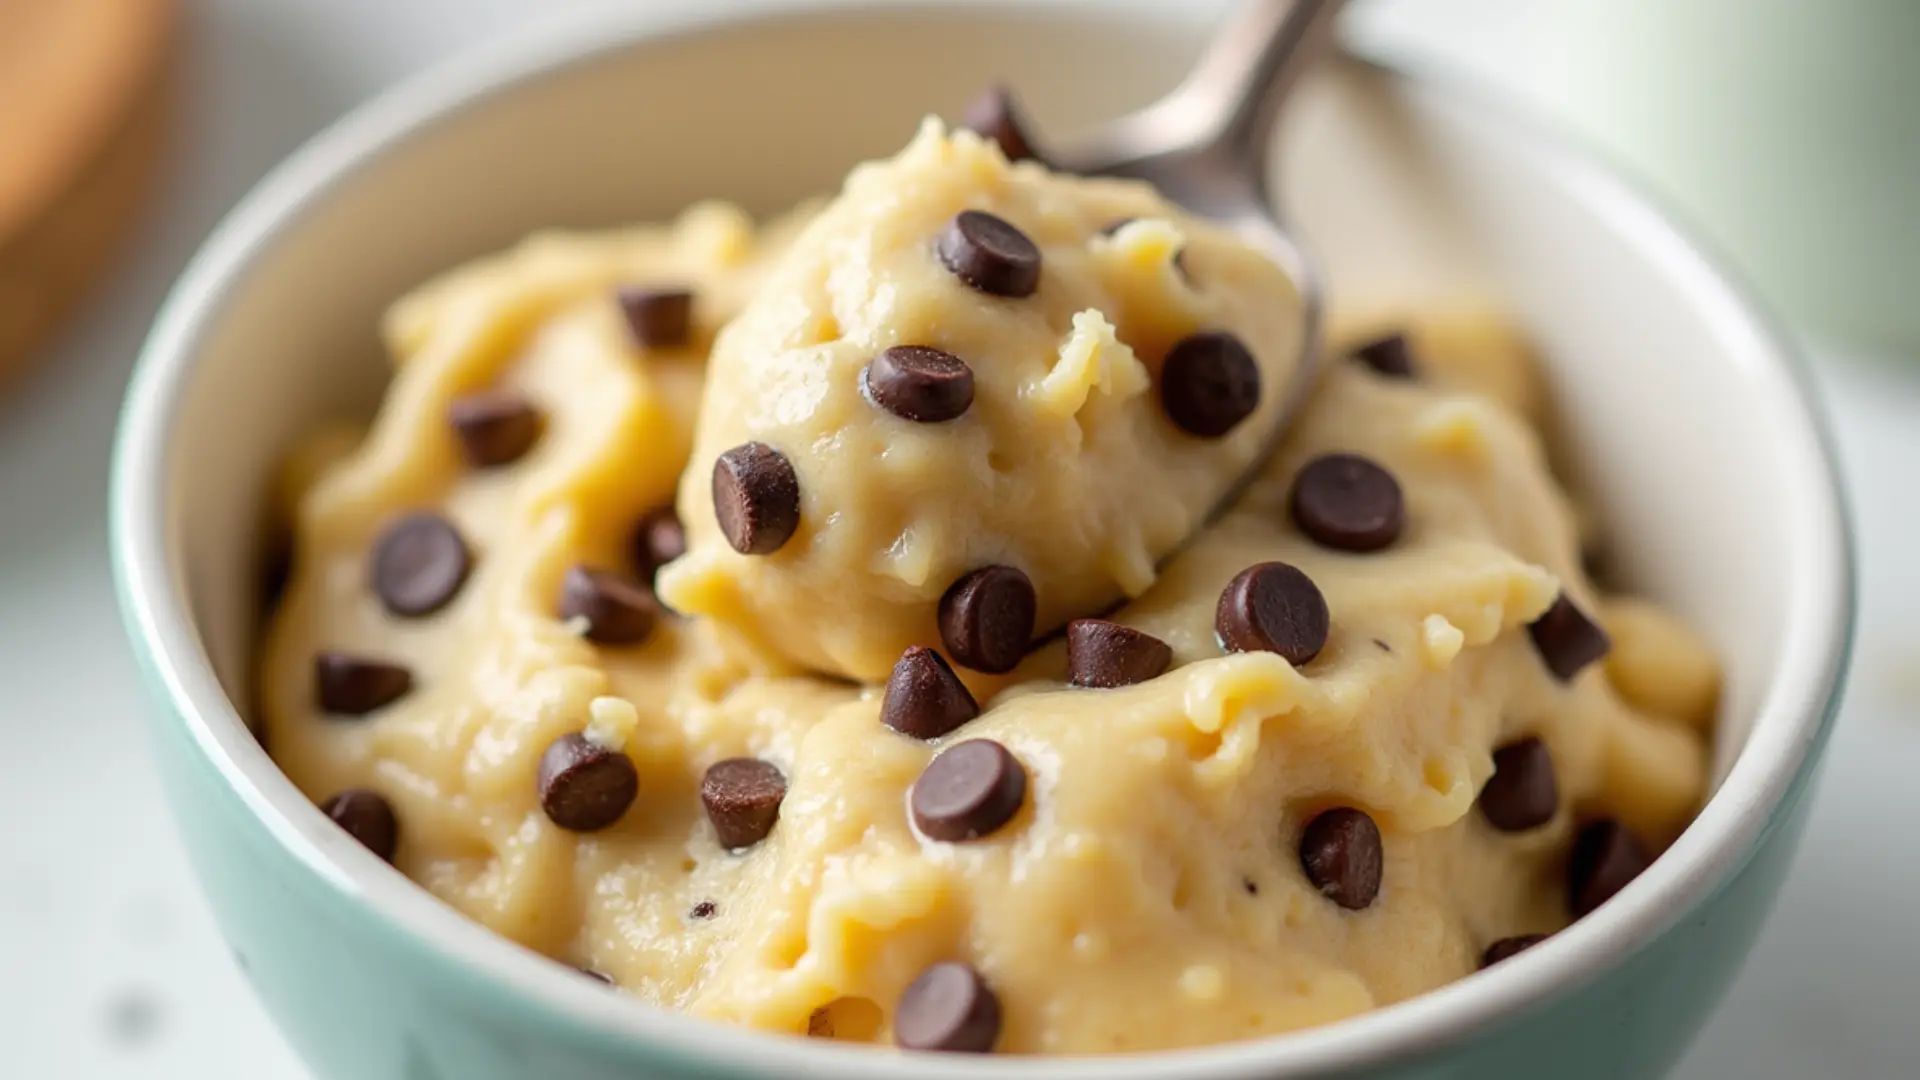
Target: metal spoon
{"type": "Point", "coordinates": [1205, 147]}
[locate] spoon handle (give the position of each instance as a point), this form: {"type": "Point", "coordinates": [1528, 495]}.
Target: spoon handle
{"type": "Point", "coordinates": [1248, 68]}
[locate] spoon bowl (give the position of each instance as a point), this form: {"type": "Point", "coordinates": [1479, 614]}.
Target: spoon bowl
{"type": "Point", "coordinates": [1205, 147]}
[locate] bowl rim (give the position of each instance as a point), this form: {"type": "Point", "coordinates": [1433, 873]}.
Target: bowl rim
{"type": "Point", "coordinates": [1790, 726]}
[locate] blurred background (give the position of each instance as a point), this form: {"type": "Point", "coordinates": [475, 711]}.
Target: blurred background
{"type": "Point", "coordinates": [1785, 132]}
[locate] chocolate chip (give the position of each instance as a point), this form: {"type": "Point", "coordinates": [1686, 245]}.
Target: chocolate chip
{"type": "Point", "coordinates": [919, 383]}
{"type": "Point", "coordinates": [1251, 886]}
{"type": "Point", "coordinates": [742, 797]}
{"type": "Point", "coordinates": [1273, 607]}
{"type": "Point", "coordinates": [584, 787]}
{"type": "Point", "coordinates": [1508, 947]}
{"type": "Point", "coordinates": [1209, 383]}
{"type": "Point", "coordinates": [1341, 853]}
{"type": "Point", "coordinates": [820, 1023]}
{"type": "Point", "coordinates": [1105, 654]}
{"type": "Point", "coordinates": [702, 910]}
{"type": "Point", "coordinates": [1389, 356]}
{"type": "Point", "coordinates": [349, 685]}
{"type": "Point", "coordinates": [756, 498]}
{"type": "Point", "coordinates": [986, 618]}
{"type": "Point", "coordinates": [1345, 502]}
{"type": "Point", "coordinates": [597, 976]}
{"type": "Point", "coordinates": [657, 318]}
{"type": "Point", "coordinates": [419, 564]}
{"type": "Point", "coordinates": [617, 610]}
{"type": "Point", "coordinates": [1521, 794]}
{"type": "Point", "coordinates": [948, 1008]}
{"type": "Point", "coordinates": [990, 254]}
{"type": "Point", "coordinates": [924, 698]}
{"type": "Point", "coordinates": [1605, 858]}
{"type": "Point", "coordinates": [368, 817]}
{"type": "Point", "coordinates": [996, 115]}
{"type": "Point", "coordinates": [495, 427]}
{"type": "Point", "coordinates": [1566, 639]}
{"type": "Point", "coordinates": [968, 791]}
{"type": "Point", "coordinates": [658, 539]}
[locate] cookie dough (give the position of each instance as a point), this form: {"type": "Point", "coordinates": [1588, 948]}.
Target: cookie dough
{"type": "Point", "coordinates": [1119, 363]}
{"type": "Point", "coordinates": [1363, 738]}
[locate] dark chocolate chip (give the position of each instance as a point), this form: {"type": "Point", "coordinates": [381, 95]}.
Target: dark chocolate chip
{"type": "Point", "coordinates": [1605, 858]}
{"type": "Point", "coordinates": [919, 383]}
{"type": "Point", "coordinates": [657, 318]}
{"type": "Point", "coordinates": [1389, 356]}
{"type": "Point", "coordinates": [742, 797]}
{"type": "Point", "coordinates": [597, 976]}
{"type": "Point", "coordinates": [756, 498]}
{"type": "Point", "coordinates": [1273, 607]}
{"type": "Point", "coordinates": [990, 254]}
{"type": "Point", "coordinates": [1508, 947]}
{"type": "Point", "coordinates": [1251, 886]}
{"type": "Point", "coordinates": [820, 1023]}
{"type": "Point", "coordinates": [1209, 383]}
{"type": "Point", "coordinates": [996, 115]}
{"type": "Point", "coordinates": [1101, 653]}
{"type": "Point", "coordinates": [1342, 855]}
{"type": "Point", "coordinates": [584, 787]}
{"type": "Point", "coordinates": [658, 539]}
{"type": "Point", "coordinates": [1566, 639]}
{"type": "Point", "coordinates": [495, 427]}
{"type": "Point", "coordinates": [349, 685]}
{"type": "Point", "coordinates": [368, 817]}
{"type": "Point", "coordinates": [968, 791]}
{"type": "Point", "coordinates": [617, 609]}
{"type": "Point", "coordinates": [1348, 503]}
{"type": "Point", "coordinates": [924, 698]}
{"type": "Point", "coordinates": [986, 618]}
{"type": "Point", "coordinates": [948, 1008]}
{"type": "Point", "coordinates": [703, 910]}
{"type": "Point", "coordinates": [1521, 794]}
{"type": "Point", "coordinates": [419, 564]}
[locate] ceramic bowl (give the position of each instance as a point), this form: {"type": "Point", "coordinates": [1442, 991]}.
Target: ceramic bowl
{"type": "Point", "coordinates": [1683, 415]}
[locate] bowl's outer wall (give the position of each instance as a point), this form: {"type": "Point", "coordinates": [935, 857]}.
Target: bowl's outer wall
{"type": "Point", "coordinates": [361, 999]}
{"type": "Point", "coordinates": [416, 1016]}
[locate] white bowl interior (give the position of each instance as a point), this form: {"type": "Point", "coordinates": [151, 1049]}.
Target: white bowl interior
{"type": "Point", "coordinates": [1679, 420]}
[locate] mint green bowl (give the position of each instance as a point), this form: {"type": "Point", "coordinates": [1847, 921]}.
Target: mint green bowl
{"type": "Point", "coordinates": [1684, 417]}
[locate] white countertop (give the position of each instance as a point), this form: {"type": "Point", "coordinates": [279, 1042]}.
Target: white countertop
{"type": "Point", "coordinates": [109, 963]}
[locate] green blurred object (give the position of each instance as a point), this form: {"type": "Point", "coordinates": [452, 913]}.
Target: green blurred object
{"type": "Point", "coordinates": [1789, 130]}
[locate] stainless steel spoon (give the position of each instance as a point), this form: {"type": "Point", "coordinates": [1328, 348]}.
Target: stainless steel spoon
{"type": "Point", "coordinates": [1205, 146]}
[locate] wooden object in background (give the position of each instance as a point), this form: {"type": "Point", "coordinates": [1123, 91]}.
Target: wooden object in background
{"type": "Point", "coordinates": [83, 101]}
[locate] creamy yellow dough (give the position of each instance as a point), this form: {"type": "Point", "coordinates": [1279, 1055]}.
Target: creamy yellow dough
{"type": "Point", "coordinates": [1149, 893]}
{"type": "Point", "coordinates": [1065, 467]}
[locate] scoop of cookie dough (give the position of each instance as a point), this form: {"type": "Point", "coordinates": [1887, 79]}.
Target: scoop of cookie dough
{"type": "Point", "coordinates": [1143, 839]}
{"type": "Point", "coordinates": [974, 401]}
{"type": "Point", "coordinates": [1372, 731]}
